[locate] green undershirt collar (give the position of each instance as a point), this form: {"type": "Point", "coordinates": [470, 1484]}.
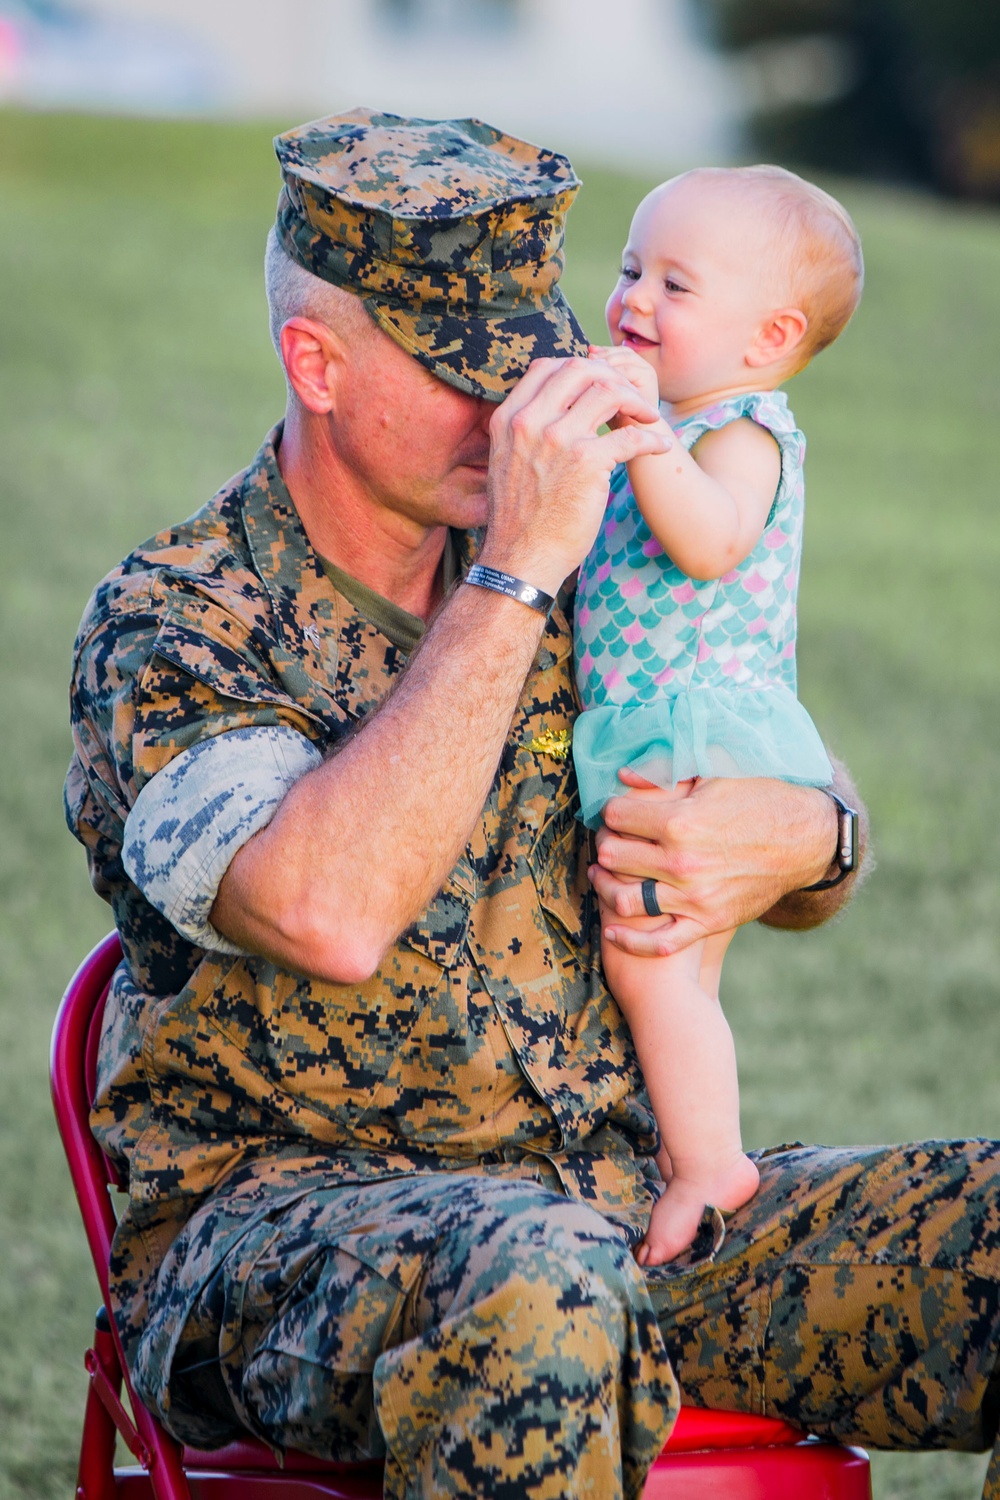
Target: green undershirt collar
{"type": "Point", "coordinates": [397, 625]}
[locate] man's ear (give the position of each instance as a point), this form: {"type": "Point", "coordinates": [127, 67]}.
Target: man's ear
{"type": "Point", "coordinates": [777, 337]}
{"type": "Point", "coordinates": [313, 357]}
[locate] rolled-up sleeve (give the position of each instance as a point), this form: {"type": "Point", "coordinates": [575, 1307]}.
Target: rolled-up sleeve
{"type": "Point", "coordinates": [192, 818]}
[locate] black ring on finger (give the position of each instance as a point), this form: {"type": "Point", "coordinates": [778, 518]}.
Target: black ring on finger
{"type": "Point", "coordinates": [649, 900]}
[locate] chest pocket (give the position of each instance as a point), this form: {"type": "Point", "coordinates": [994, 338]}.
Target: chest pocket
{"type": "Point", "coordinates": [439, 934]}
{"type": "Point", "coordinates": [318, 1054]}
{"type": "Point", "coordinates": [559, 863]}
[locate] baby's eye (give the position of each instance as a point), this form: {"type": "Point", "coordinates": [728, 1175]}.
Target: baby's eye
{"type": "Point", "coordinates": [673, 286]}
{"type": "Point", "coordinates": [629, 273]}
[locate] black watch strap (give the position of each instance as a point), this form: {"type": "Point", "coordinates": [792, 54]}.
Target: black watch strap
{"type": "Point", "coordinates": [846, 856]}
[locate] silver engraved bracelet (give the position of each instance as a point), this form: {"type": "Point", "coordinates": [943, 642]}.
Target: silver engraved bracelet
{"type": "Point", "coordinates": [505, 583]}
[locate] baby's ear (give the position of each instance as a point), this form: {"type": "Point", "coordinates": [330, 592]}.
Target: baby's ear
{"type": "Point", "coordinates": [777, 337]}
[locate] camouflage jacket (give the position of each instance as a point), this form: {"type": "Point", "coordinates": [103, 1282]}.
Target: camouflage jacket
{"type": "Point", "coordinates": [486, 1039]}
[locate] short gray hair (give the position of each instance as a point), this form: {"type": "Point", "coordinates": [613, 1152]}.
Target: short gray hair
{"type": "Point", "coordinates": [293, 292]}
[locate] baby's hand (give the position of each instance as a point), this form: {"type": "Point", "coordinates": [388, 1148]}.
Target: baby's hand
{"type": "Point", "coordinates": [635, 369]}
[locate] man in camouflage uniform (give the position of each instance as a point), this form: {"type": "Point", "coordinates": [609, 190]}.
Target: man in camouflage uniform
{"type": "Point", "coordinates": [386, 1139]}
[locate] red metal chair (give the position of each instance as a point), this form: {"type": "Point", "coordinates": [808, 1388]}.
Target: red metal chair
{"type": "Point", "coordinates": [727, 1455]}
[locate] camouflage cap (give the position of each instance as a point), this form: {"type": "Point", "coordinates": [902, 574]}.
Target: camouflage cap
{"type": "Point", "coordinates": [450, 232]}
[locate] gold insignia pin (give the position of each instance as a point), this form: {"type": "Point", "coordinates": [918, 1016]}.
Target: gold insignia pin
{"type": "Point", "coordinates": [552, 742]}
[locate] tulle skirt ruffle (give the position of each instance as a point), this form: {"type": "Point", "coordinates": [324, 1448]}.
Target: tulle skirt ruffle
{"type": "Point", "coordinates": [706, 732]}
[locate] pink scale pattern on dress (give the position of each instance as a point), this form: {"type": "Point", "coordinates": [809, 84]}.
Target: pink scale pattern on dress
{"type": "Point", "coordinates": [694, 627]}
{"type": "Point", "coordinates": [650, 639]}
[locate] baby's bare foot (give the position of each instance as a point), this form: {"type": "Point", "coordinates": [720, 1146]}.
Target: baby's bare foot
{"type": "Point", "coordinates": [676, 1215]}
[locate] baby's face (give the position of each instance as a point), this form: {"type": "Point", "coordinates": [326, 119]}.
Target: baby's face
{"type": "Point", "coordinates": [698, 280]}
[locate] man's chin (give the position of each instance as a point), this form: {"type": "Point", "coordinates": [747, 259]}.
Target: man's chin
{"type": "Point", "coordinates": [471, 504]}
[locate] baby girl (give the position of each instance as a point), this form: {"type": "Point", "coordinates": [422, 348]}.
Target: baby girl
{"type": "Point", "coordinates": [731, 281]}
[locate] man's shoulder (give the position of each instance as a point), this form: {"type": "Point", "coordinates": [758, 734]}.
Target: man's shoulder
{"type": "Point", "coordinates": [199, 567]}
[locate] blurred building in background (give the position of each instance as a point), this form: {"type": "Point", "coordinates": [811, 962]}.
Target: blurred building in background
{"type": "Point", "coordinates": [629, 81]}
{"type": "Point", "coordinates": [904, 89]}
{"type": "Point", "coordinates": [907, 89]}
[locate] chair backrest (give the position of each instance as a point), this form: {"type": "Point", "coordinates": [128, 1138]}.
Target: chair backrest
{"type": "Point", "coordinates": [246, 1470]}
{"type": "Point", "coordinates": [72, 1071]}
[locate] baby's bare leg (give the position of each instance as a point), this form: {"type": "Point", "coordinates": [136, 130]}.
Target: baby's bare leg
{"type": "Point", "coordinates": [685, 1049]}
{"type": "Point", "coordinates": [713, 952]}
{"type": "Point", "coordinates": [711, 961]}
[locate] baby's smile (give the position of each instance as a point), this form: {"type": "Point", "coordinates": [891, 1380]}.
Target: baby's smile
{"type": "Point", "coordinates": [633, 340]}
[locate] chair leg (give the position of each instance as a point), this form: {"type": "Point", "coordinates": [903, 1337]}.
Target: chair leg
{"type": "Point", "coordinates": [106, 1419]}
{"type": "Point", "coordinates": [164, 1462]}
{"type": "Point", "coordinates": [96, 1474]}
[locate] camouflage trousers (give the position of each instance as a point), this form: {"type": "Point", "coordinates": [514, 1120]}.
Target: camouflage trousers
{"type": "Point", "coordinates": [493, 1337]}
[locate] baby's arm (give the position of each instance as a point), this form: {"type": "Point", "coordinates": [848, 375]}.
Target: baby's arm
{"type": "Point", "coordinates": [707, 508]}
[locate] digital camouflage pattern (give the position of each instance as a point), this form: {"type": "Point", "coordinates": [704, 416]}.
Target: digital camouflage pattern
{"type": "Point", "coordinates": [487, 1035]}
{"type": "Point", "coordinates": [857, 1294]}
{"type": "Point", "coordinates": [188, 822]}
{"type": "Point", "coordinates": [393, 1219]}
{"type": "Point", "coordinates": [456, 1327]}
{"type": "Point", "coordinates": [449, 230]}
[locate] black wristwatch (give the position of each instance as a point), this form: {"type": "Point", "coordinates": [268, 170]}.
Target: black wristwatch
{"type": "Point", "coordinates": [846, 856]}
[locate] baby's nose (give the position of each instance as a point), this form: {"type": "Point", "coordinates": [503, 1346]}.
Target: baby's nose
{"type": "Point", "coordinates": [635, 294]}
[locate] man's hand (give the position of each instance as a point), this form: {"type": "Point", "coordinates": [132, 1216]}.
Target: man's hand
{"type": "Point", "coordinates": [550, 466]}
{"type": "Point", "coordinates": [724, 855]}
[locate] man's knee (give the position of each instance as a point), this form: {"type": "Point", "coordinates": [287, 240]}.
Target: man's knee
{"type": "Point", "coordinates": [540, 1358]}
{"type": "Point", "coordinates": [495, 1316]}
{"type": "Point", "coordinates": [529, 1251]}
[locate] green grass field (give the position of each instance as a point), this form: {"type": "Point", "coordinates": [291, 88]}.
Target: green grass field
{"type": "Point", "coordinates": [136, 375]}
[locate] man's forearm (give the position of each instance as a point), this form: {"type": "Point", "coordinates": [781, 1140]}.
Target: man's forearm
{"type": "Point", "coordinates": [800, 910]}
{"type": "Point", "coordinates": [359, 847]}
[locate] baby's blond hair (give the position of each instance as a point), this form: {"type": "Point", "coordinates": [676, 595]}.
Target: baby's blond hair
{"type": "Point", "coordinates": [818, 245]}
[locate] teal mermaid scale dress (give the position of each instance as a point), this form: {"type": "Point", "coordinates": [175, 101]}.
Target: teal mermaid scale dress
{"type": "Point", "coordinates": [681, 678]}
